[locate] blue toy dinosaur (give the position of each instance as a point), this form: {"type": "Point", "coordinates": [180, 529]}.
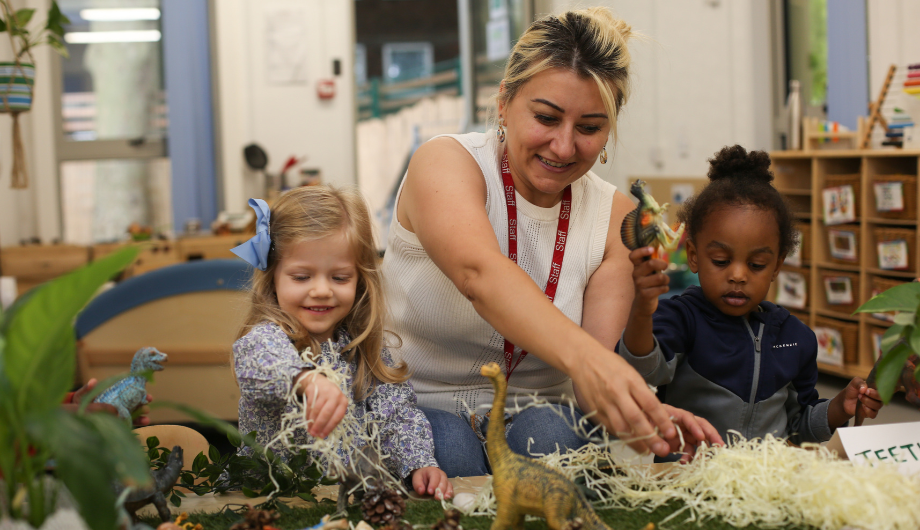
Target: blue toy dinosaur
{"type": "Point", "coordinates": [131, 392]}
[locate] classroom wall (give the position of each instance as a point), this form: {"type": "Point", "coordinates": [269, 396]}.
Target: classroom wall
{"type": "Point", "coordinates": [893, 39]}
{"type": "Point", "coordinates": [701, 81]}
{"type": "Point", "coordinates": [285, 119]}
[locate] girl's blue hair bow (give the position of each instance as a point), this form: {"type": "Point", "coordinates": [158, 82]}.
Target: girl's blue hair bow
{"type": "Point", "coordinates": [255, 251]}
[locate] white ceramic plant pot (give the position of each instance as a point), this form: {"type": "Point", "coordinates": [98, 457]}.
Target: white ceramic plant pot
{"type": "Point", "coordinates": [64, 519]}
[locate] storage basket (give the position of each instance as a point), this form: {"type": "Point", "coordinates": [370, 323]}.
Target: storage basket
{"type": "Point", "coordinates": [833, 300]}
{"type": "Point", "coordinates": [888, 233]}
{"type": "Point", "coordinates": [849, 331]}
{"type": "Point", "coordinates": [909, 193]}
{"type": "Point", "coordinates": [844, 241]}
{"type": "Point", "coordinates": [834, 181]}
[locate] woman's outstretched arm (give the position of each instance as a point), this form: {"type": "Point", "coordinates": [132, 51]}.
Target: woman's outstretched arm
{"type": "Point", "coordinates": [442, 202]}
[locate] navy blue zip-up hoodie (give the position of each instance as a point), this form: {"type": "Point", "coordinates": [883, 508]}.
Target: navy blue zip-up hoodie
{"type": "Point", "coordinates": [754, 377]}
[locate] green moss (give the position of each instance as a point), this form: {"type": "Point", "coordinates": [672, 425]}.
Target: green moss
{"type": "Point", "coordinates": [429, 512]}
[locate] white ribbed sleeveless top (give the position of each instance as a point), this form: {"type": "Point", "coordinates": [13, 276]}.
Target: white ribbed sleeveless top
{"type": "Point", "coordinates": [444, 340]}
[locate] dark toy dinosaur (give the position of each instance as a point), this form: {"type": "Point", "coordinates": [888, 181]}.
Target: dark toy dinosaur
{"type": "Point", "coordinates": [524, 486]}
{"type": "Point", "coordinates": [163, 480]}
{"type": "Point", "coordinates": [906, 383]}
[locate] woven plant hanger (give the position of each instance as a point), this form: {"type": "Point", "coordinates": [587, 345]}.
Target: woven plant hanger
{"type": "Point", "coordinates": [19, 173]}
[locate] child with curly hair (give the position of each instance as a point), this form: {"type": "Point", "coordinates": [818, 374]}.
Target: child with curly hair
{"type": "Point", "coordinates": [720, 350]}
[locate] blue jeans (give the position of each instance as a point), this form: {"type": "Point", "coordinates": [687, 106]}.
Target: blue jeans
{"type": "Point", "coordinates": [460, 453]}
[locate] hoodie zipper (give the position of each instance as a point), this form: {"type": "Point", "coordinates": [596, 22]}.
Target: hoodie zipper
{"type": "Point", "coordinates": [750, 413]}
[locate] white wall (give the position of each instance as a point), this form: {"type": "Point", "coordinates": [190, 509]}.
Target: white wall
{"type": "Point", "coordinates": [701, 81]}
{"type": "Point", "coordinates": [284, 119]}
{"type": "Point", "coordinates": [893, 39]}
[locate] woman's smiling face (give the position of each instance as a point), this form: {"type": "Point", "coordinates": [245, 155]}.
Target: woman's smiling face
{"type": "Point", "coordinates": [556, 126]}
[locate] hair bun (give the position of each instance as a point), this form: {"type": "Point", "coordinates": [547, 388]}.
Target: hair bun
{"type": "Point", "coordinates": [736, 163]}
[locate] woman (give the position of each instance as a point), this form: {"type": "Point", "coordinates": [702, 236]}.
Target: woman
{"type": "Point", "coordinates": [459, 302]}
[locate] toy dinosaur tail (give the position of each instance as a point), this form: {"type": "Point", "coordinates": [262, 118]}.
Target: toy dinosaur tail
{"type": "Point", "coordinates": [497, 446]}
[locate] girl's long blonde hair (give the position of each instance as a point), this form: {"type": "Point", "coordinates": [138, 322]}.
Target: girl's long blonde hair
{"type": "Point", "coordinates": [311, 213]}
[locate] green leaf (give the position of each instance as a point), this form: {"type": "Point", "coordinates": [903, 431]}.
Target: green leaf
{"type": "Point", "coordinates": [204, 418]}
{"type": "Point", "coordinates": [891, 336]}
{"type": "Point", "coordinates": [213, 454]}
{"type": "Point", "coordinates": [199, 462]}
{"type": "Point", "coordinates": [175, 500]}
{"type": "Point", "coordinates": [56, 20]}
{"type": "Point", "coordinates": [121, 448]}
{"type": "Point", "coordinates": [905, 318]}
{"type": "Point", "coordinates": [889, 370]}
{"type": "Point", "coordinates": [235, 439]}
{"type": "Point", "coordinates": [23, 16]}
{"type": "Point", "coordinates": [307, 497]}
{"type": "Point", "coordinates": [904, 297]}
{"type": "Point", "coordinates": [38, 369]}
{"type": "Point", "coordinates": [153, 442]}
{"type": "Point", "coordinates": [917, 373]}
{"type": "Point", "coordinates": [248, 492]}
{"type": "Point", "coordinates": [57, 45]}
{"type": "Point", "coordinates": [2, 25]}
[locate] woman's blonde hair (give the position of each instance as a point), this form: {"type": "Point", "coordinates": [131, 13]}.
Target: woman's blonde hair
{"type": "Point", "coordinates": [591, 42]}
{"type": "Point", "coordinates": [311, 213]}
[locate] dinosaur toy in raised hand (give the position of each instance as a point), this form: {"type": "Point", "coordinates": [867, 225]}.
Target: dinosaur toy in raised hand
{"type": "Point", "coordinates": [131, 392]}
{"type": "Point", "coordinates": [645, 226]}
{"type": "Point", "coordinates": [524, 486]}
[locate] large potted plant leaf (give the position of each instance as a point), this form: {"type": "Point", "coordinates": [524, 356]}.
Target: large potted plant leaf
{"type": "Point", "coordinates": [901, 340]}
{"type": "Point", "coordinates": [17, 77]}
{"type": "Point", "coordinates": [89, 452]}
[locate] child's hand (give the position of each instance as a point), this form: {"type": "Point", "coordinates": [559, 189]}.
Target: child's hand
{"type": "Point", "coordinates": [648, 280]}
{"type": "Point", "coordinates": [428, 480]}
{"type": "Point", "coordinates": [857, 395]}
{"type": "Point", "coordinates": [326, 404]}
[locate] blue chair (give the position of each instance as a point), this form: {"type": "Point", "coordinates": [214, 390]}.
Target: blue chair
{"type": "Point", "coordinates": [191, 311]}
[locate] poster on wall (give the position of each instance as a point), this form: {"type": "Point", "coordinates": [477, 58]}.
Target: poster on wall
{"type": "Point", "coordinates": [839, 205]}
{"type": "Point", "coordinates": [842, 244]}
{"type": "Point", "coordinates": [498, 39]}
{"type": "Point", "coordinates": [892, 255]}
{"type": "Point", "coordinates": [498, 9]}
{"type": "Point", "coordinates": [839, 290]}
{"type": "Point", "coordinates": [791, 289]}
{"type": "Point", "coordinates": [830, 346]}
{"type": "Point", "coordinates": [889, 196]}
{"type": "Point", "coordinates": [286, 57]}
{"type": "Point", "coordinates": [794, 259]}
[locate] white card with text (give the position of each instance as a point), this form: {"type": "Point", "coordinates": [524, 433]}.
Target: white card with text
{"type": "Point", "coordinates": [892, 443]}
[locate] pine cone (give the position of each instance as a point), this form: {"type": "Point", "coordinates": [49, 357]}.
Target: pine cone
{"type": "Point", "coordinates": [256, 519]}
{"type": "Point", "coordinates": [382, 506]}
{"type": "Point", "coordinates": [574, 524]}
{"type": "Point", "coordinates": [451, 520]}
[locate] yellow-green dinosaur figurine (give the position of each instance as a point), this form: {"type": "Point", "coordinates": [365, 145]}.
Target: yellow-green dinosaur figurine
{"type": "Point", "coordinates": [524, 486]}
{"type": "Point", "coordinates": [645, 226]}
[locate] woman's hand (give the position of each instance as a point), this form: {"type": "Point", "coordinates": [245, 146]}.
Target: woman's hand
{"type": "Point", "coordinates": [429, 480]}
{"type": "Point", "coordinates": [326, 404]}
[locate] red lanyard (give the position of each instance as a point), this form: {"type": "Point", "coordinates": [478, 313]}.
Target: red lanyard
{"type": "Point", "coordinates": [562, 230]}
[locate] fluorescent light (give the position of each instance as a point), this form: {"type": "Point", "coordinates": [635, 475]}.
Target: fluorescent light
{"type": "Point", "coordinates": [91, 37]}
{"type": "Point", "coordinates": [120, 14]}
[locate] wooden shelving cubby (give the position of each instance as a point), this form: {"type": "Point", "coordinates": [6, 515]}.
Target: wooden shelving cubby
{"type": "Point", "coordinates": [802, 176]}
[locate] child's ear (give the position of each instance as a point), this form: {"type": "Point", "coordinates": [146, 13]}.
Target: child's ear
{"type": "Point", "coordinates": [692, 257]}
{"type": "Point", "coordinates": [779, 265]}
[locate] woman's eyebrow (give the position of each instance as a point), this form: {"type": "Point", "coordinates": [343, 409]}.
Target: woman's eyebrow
{"type": "Point", "coordinates": [560, 109]}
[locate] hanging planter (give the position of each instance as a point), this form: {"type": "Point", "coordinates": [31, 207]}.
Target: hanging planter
{"type": "Point", "coordinates": [17, 77]}
{"type": "Point", "coordinates": [16, 85]}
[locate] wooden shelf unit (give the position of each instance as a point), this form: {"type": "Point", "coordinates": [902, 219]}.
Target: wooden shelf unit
{"type": "Point", "coordinates": [801, 176]}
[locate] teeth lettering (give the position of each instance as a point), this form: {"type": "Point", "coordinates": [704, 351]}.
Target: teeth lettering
{"type": "Point", "coordinates": [553, 164]}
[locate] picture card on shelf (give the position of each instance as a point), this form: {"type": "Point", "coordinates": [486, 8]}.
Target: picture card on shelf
{"type": "Point", "coordinates": [892, 255]}
{"type": "Point", "coordinates": [842, 244]}
{"type": "Point", "coordinates": [838, 289]}
{"type": "Point", "coordinates": [830, 346]}
{"type": "Point", "coordinates": [889, 196]}
{"type": "Point", "coordinates": [888, 317]}
{"type": "Point", "coordinates": [839, 205]}
{"type": "Point", "coordinates": [791, 289]}
{"type": "Point", "coordinates": [877, 345]}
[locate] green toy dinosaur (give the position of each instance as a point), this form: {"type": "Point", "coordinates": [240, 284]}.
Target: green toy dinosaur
{"type": "Point", "coordinates": [524, 486]}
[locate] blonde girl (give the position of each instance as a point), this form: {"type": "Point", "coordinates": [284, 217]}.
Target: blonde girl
{"type": "Point", "coordinates": [316, 284]}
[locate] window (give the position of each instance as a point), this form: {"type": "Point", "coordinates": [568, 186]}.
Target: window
{"type": "Point", "coordinates": [360, 64]}
{"type": "Point", "coordinates": [407, 60]}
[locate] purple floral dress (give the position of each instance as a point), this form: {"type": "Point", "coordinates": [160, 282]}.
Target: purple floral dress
{"type": "Point", "coordinates": [266, 363]}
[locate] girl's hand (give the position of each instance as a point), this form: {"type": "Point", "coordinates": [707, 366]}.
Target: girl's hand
{"type": "Point", "coordinates": [648, 280]}
{"type": "Point", "coordinates": [428, 480]}
{"type": "Point", "coordinates": [326, 404]}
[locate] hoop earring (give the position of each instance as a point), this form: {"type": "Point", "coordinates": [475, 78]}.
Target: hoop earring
{"type": "Point", "coordinates": [500, 132]}
{"type": "Point", "coordinates": [604, 155]}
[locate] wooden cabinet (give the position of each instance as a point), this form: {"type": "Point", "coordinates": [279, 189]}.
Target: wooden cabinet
{"type": "Point", "coordinates": [847, 253]}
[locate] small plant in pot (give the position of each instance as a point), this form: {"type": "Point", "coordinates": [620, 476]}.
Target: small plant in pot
{"type": "Point", "coordinates": [17, 77]}
{"type": "Point", "coordinates": [89, 452]}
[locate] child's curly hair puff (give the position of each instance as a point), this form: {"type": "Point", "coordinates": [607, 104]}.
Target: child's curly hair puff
{"type": "Point", "coordinates": [740, 178]}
